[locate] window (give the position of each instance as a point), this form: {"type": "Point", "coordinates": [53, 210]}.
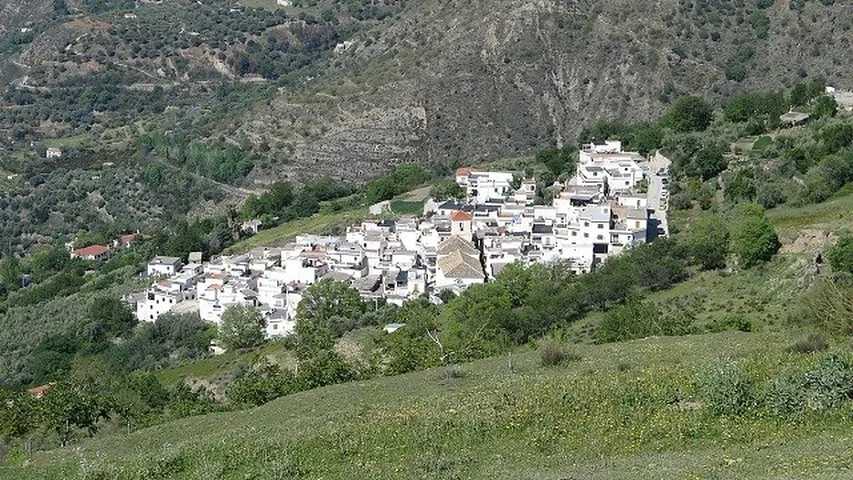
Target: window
{"type": "Point", "coordinates": [574, 234]}
{"type": "Point", "coordinates": [600, 226]}
{"type": "Point", "coordinates": [600, 237]}
{"type": "Point", "coordinates": [585, 224]}
{"type": "Point", "coordinates": [585, 235]}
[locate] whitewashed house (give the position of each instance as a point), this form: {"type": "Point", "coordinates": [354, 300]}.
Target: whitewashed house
{"type": "Point", "coordinates": [163, 266]}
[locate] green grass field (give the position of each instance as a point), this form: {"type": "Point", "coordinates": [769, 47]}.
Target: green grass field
{"type": "Point", "coordinates": [832, 215]}
{"type": "Point", "coordinates": [622, 411]}
{"type": "Point", "coordinates": [211, 368]}
{"type": "Point", "coordinates": [316, 224]}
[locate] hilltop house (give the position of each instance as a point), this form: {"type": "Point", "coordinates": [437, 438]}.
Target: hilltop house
{"type": "Point", "coordinates": [92, 253]}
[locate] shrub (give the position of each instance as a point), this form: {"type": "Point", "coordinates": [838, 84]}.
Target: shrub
{"type": "Point", "coordinates": [708, 242]}
{"type": "Point", "coordinates": [810, 344]}
{"type": "Point", "coordinates": [828, 306]}
{"type": "Point", "coordinates": [553, 353]}
{"type": "Point", "coordinates": [639, 319]}
{"type": "Point", "coordinates": [730, 322]}
{"type": "Point", "coordinates": [827, 385]}
{"type": "Point", "coordinates": [261, 384]}
{"type": "Point", "coordinates": [726, 388]}
{"type": "Point", "coordinates": [754, 239]}
{"type": "Point", "coordinates": [840, 256]}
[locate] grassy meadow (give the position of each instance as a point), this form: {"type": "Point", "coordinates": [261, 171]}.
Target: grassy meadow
{"type": "Point", "coordinates": [620, 411]}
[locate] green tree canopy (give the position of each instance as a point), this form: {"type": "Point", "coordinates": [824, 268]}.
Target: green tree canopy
{"type": "Point", "coordinates": [242, 327]}
{"type": "Point", "coordinates": [707, 241]}
{"type": "Point", "coordinates": [327, 308]}
{"type": "Point", "coordinates": [689, 114]}
{"type": "Point", "coordinates": [753, 238]}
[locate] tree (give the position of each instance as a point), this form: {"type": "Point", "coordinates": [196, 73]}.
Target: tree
{"type": "Point", "coordinates": [242, 327]}
{"type": "Point", "coordinates": [836, 137]}
{"type": "Point", "coordinates": [10, 273]}
{"type": "Point", "coordinates": [707, 241]}
{"type": "Point", "coordinates": [753, 238]}
{"type": "Point", "coordinates": [689, 114]}
{"type": "Point", "coordinates": [476, 322]}
{"type": "Point", "coordinates": [804, 92]}
{"type": "Point", "coordinates": [447, 190]}
{"type": "Point", "coordinates": [708, 162]}
{"type": "Point", "coordinates": [17, 414]}
{"type": "Point", "coordinates": [825, 106]}
{"type": "Point", "coordinates": [411, 347]}
{"type": "Point", "coordinates": [740, 185]}
{"type": "Point", "coordinates": [637, 318]}
{"type": "Point", "coordinates": [840, 256]}
{"type": "Point", "coordinates": [261, 384]}
{"type": "Point", "coordinates": [559, 160]}
{"type": "Point", "coordinates": [328, 307]}
{"type": "Point", "coordinates": [71, 406]}
{"type": "Point", "coordinates": [112, 315]}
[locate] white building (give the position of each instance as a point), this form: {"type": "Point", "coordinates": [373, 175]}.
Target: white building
{"type": "Point", "coordinates": [458, 265]}
{"type": "Point", "coordinates": [165, 266]}
{"type": "Point", "coordinates": [483, 186]}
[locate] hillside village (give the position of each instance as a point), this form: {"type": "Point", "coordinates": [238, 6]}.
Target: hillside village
{"type": "Point", "coordinates": [615, 200]}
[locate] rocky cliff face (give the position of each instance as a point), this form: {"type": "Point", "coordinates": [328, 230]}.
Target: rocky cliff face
{"type": "Point", "coordinates": [469, 80]}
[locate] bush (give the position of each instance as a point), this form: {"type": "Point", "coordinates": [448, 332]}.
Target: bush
{"type": "Point", "coordinates": [810, 344]}
{"type": "Point", "coordinates": [730, 322]}
{"type": "Point", "coordinates": [553, 353]}
{"type": "Point", "coordinates": [261, 384]}
{"type": "Point", "coordinates": [754, 239]}
{"type": "Point", "coordinates": [639, 319]}
{"type": "Point", "coordinates": [828, 306]}
{"type": "Point", "coordinates": [707, 242]}
{"type": "Point", "coordinates": [840, 256]}
{"type": "Point", "coordinates": [726, 389]}
{"type": "Point", "coordinates": [827, 385]}
{"type": "Point", "coordinates": [689, 114]}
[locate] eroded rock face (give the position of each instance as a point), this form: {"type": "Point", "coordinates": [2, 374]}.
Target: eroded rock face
{"type": "Point", "coordinates": [462, 81]}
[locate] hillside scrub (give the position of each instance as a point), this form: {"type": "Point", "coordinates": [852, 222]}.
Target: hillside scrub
{"type": "Point", "coordinates": [561, 419]}
{"type": "Point", "coordinates": [828, 306]}
{"type": "Point", "coordinates": [753, 238]}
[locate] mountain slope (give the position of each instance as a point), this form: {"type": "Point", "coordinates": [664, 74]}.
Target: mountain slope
{"type": "Point", "coordinates": [364, 85]}
{"type": "Point", "coordinates": [461, 81]}
{"type": "Point", "coordinates": [620, 410]}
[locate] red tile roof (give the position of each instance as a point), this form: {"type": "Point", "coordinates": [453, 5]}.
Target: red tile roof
{"type": "Point", "coordinates": [91, 251]}
{"type": "Point", "coordinates": [463, 172]}
{"type": "Point", "coordinates": [40, 391]}
{"type": "Point", "coordinates": [459, 216]}
{"type": "Point", "coordinates": [126, 239]}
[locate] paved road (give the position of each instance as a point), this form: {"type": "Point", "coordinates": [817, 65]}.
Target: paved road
{"type": "Point", "coordinates": [655, 192]}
